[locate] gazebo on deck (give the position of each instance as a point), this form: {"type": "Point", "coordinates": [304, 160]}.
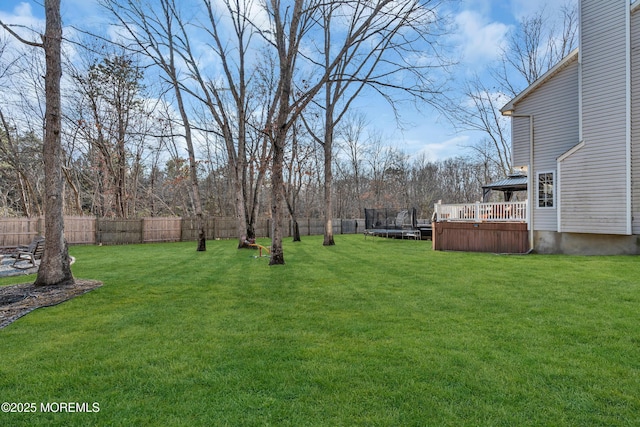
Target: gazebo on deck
{"type": "Point", "coordinates": [508, 186]}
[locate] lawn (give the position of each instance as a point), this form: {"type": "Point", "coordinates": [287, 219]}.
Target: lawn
{"type": "Point", "coordinates": [366, 333]}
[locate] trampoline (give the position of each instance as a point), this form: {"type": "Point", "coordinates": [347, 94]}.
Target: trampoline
{"type": "Point", "coordinates": [392, 223]}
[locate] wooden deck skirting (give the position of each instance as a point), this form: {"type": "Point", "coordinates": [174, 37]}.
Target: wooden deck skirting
{"type": "Point", "coordinates": [495, 237]}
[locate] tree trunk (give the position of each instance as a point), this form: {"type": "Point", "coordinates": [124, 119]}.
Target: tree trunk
{"type": "Point", "coordinates": [277, 195]}
{"type": "Point", "coordinates": [294, 219]}
{"type": "Point", "coordinates": [328, 180]}
{"type": "Point", "coordinates": [74, 189]}
{"type": "Point", "coordinates": [26, 205]}
{"type": "Point", "coordinates": [296, 230]}
{"type": "Point", "coordinates": [197, 201]}
{"type": "Point", "coordinates": [55, 267]}
{"type": "Point", "coordinates": [202, 235]}
{"type": "Point", "coordinates": [121, 179]}
{"type": "Point", "coordinates": [244, 230]}
{"type": "Point", "coordinates": [253, 204]}
{"type": "Point", "coordinates": [193, 166]}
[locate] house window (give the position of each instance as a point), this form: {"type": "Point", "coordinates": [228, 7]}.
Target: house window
{"type": "Point", "coordinates": [545, 190]}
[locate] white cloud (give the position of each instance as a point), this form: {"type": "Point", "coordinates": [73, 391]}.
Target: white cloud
{"type": "Point", "coordinates": [479, 39]}
{"type": "Point", "coordinates": [23, 9]}
{"type": "Point", "coordinates": [451, 147]}
{"type": "Point", "coordinates": [22, 21]}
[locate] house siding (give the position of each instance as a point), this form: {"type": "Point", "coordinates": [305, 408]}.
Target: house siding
{"type": "Point", "coordinates": [520, 136]}
{"type": "Point", "coordinates": [594, 180]}
{"type": "Point", "coordinates": [554, 106]}
{"type": "Point", "coordinates": [635, 120]}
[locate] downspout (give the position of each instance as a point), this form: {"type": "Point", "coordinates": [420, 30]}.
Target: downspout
{"type": "Point", "coordinates": [530, 184]}
{"type": "Point", "coordinates": [628, 125]}
{"type": "Point", "coordinates": [530, 192]}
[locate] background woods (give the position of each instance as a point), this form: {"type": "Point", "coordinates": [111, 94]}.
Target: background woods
{"type": "Point", "coordinates": [149, 129]}
{"type": "Point", "coordinates": [250, 109]}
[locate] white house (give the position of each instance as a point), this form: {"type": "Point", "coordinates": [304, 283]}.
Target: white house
{"type": "Point", "coordinates": [576, 131]}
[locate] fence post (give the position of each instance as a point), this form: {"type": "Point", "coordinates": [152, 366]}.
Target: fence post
{"type": "Point", "coordinates": [478, 212]}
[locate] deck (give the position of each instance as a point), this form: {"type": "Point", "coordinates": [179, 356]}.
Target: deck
{"type": "Point", "coordinates": [481, 227]}
{"type": "Point", "coordinates": [481, 212]}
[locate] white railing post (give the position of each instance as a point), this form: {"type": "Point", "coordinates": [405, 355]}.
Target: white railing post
{"type": "Point", "coordinates": [480, 212]}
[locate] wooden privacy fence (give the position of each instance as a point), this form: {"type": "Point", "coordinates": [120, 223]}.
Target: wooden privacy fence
{"type": "Point", "coordinates": [86, 230]}
{"type": "Point", "coordinates": [77, 229]}
{"type": "Point", "coordinates": [19, 231]}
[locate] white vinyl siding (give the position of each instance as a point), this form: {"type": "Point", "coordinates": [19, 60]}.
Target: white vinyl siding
{"type": "Point", "coordinates": [554, 106]}
{"type": "Point", "coordinates": [520, 136]}
{"type": "Point", "coordinates": [635, 120]}
{"type": "Point", "coordinates": [594, 179]}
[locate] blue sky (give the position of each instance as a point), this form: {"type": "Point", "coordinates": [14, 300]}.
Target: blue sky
{"type": "Point", "coordinates": [481, 28]}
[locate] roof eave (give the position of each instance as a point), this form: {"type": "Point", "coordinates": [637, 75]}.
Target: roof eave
{"type": "Point", "coordinates": [509, 108]}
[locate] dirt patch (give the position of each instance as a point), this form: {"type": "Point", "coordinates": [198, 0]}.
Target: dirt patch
{"type": "Point", "coordinates": [18, 300]}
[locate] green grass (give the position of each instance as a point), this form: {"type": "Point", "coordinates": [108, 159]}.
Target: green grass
{"type": "Point", "coordinates": [366, 333]}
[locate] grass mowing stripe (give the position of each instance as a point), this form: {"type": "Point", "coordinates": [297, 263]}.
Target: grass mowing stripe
{"type": "Point", "coordinates": [367, 332]}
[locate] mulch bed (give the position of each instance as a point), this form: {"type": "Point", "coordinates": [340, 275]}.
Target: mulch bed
{"type": "Point", "coordinates": [19, 300]}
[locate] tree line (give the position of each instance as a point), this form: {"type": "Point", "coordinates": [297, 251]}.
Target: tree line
{"type": "Point", "coordinates": [148, 176]}
{"type": "Point", "coordinates": [248, 83]}
{"type": "Point", "coordinates": [245, 107]}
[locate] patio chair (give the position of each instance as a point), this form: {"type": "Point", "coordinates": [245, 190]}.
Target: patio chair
{"type": "Point", "coordinates": [29, 253]}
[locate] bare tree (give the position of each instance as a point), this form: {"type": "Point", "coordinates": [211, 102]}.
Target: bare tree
{"type": "Point", "coordinates": [378, 158]}
{"type": "Point", "coordinates": [353, 147]}
{"type": "Point", "coordinates": [536, 45]}
{"type": "Point", "coordinates": [425, 188]}
{"type": "Point", "coordinates": [482, 113]}
{"type": "Point", "coordinates": [396, 59]}
{"type": "Point", "coordinates": [299, 165]}
{"type": "Point", "coordinates": [152, 30]}
{"type": "Point", "coordinates": [368, 23]}
{"type": "Point", "coordinates": [343, 66]}
{"type": "Point", "coordinates": [259, 149]}
{"type": "Point", "coordinates": [23, 155]}
{"type": "Point", "coordinates": [55, 267]}
{"type": "Point", "coordinates": [21, 124]}
{"type": "Point", "coordinates": [228, 96]}
{"type": "Point", "coordinates": [111, 117]}
{"type": "Point", "coordinates": [461, 179]}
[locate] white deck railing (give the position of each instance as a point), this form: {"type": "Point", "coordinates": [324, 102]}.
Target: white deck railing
{"type": "Point", "coordinates": [478, 212]}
